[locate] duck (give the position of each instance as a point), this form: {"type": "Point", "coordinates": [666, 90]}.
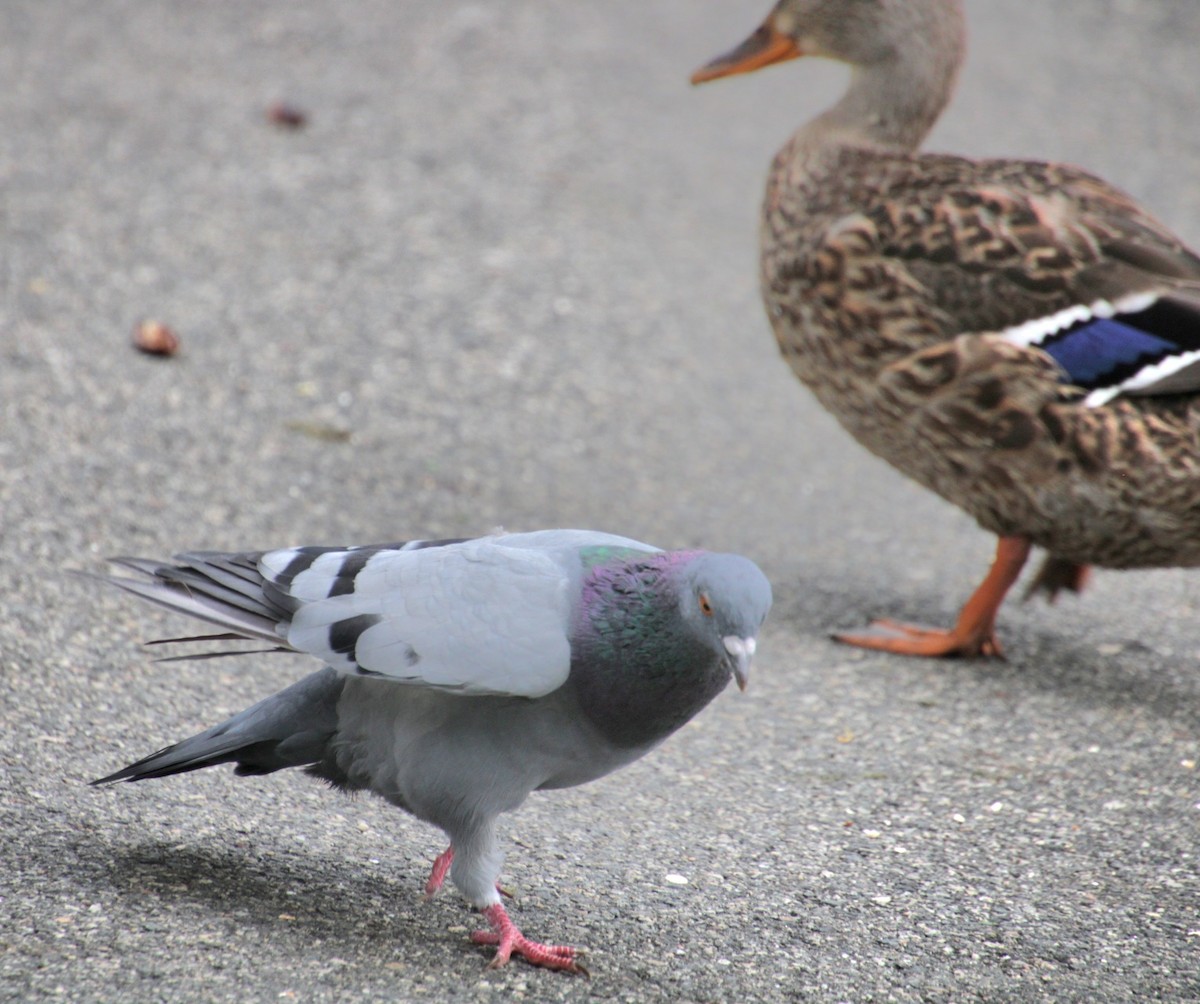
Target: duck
{"type": "Point", "coordinates": [1020, 337]}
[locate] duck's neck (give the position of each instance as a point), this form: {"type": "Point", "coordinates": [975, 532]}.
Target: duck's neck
{"type": "Point", "coordinates": [893, 102]}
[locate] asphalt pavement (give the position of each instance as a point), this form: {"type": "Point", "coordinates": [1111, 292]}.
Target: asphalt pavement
{"type": "Point", "coordinates": [505, 274]}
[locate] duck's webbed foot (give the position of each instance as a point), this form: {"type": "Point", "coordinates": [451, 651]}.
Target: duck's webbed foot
{"type": "Point", "coordinates": [974, 633]}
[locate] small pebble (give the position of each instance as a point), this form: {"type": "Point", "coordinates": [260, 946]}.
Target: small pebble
{"type": "Point", "coordinates": [155, 339]}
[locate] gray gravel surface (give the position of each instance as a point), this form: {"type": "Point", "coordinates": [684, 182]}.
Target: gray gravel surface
{"type": "Point", "coordinates": [506, 275]}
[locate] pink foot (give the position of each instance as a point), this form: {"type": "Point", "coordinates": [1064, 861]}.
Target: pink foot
{"type": "Point", "coordinates": [437, 875]}
{"type": "Point", "coordinates": [508, 939]}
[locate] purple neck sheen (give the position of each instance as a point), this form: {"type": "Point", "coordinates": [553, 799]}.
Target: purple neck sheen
{"type": "Point", "coordinates": [606, 570]}
{"type": "Point", "coordinates": [639, 669]}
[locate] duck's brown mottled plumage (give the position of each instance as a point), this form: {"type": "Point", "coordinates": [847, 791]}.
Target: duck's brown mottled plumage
{"type": "Point", "coordinates": [890, 278]}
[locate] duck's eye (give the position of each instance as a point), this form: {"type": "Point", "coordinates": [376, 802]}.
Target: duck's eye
{"type": "Point", "coordinates": [705, 606]}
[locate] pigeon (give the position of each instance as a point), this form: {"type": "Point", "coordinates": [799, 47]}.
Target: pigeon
{"type": "Point", "coordinates": [460, 675]}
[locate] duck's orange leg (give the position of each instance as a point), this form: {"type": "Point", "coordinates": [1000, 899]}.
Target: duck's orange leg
{"type": "Point", "coordinates": [974, 633]}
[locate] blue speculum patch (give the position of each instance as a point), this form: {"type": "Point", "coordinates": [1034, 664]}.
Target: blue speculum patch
{"type": "Point", "coordinates": [1105, 351]}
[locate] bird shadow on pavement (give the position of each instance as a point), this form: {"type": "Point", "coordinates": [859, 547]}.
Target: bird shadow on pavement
{"type": "Point", "coordinates": [349, 907]}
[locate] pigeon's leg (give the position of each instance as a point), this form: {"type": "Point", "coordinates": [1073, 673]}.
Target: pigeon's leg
{"type": "Point", "coordinates": [437, 875]}
{"type": "Point", "coordinates": [439, 871]}
{"type": "Point", "coordinates": [508, 939]}
{"type": "Point", "coordinates": [1057, 574]}
{"type": "Point", "coordinates": [974, 633]}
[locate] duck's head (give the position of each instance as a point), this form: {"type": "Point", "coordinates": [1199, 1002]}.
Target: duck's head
{"type": "Point", "coordinates": [905, 55]}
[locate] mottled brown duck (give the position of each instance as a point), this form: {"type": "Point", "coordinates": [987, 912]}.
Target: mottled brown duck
{"type": "Point", "coordinates": [1019, 337]}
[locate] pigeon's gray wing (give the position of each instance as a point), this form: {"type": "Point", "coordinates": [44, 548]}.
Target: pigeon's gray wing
{"type": "Point", "coordinates": [573, 541]}
{"type": "Point", "coordinates": [484, 616]}
{"type": "Point", "coordinates": [478, 617]}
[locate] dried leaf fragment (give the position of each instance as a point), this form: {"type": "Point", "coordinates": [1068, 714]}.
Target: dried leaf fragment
{"type": "Point", "coordinates": [325, 432]}
{"type": "Point", "coordinates": [287, 116]}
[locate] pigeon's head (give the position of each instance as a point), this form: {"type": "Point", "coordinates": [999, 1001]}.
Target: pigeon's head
{"type": "Point", "coordinates": [725, 599]}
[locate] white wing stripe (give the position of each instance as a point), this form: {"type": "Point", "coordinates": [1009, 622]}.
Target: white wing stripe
{"type": "Point", "coordinates": [1036, 331]}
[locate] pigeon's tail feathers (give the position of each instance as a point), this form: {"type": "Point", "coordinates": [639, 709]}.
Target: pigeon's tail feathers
{"type": "Point", "coordinates": [294, 728]}
{"type": "Point", "coordinates": [222, 589]}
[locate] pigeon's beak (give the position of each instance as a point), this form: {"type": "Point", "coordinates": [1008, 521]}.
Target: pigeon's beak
{"type": "Point", "coordinates": [741, 652]}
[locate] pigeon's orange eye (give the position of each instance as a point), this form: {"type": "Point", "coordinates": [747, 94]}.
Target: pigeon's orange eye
{"type": "Point", "coordinates": [705, 606]}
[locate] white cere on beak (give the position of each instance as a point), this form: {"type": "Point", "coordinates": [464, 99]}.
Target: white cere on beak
{"type": "Point", "coordinates": [742, 650]}
{"type": "Point", "coordinates": [738, 647]}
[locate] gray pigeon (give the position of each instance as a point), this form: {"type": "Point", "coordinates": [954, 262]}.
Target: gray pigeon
{"type": "Point", "coordinates": [463, 674]}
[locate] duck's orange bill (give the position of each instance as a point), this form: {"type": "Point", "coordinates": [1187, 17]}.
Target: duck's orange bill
{"type": "Point", "coordinates": [764, 47]}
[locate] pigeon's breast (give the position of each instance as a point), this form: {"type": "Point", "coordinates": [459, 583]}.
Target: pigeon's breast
{"type": "Point", "coordinates": [448, 758]}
